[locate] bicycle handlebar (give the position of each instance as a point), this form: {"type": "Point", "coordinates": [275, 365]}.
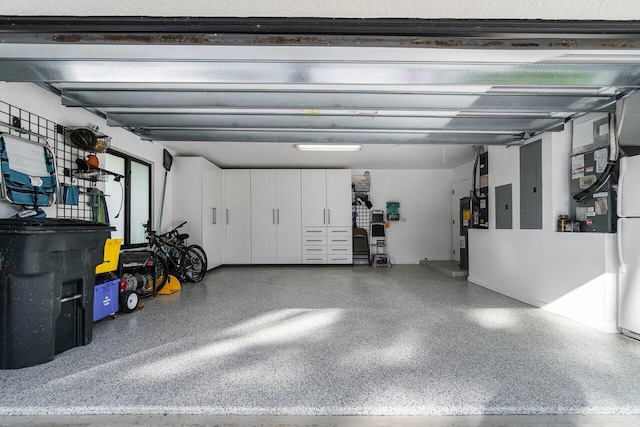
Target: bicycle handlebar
{"type": "Point", "coordinates": [150, 232]}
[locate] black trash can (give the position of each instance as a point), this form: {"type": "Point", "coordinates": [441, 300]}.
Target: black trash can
{"type": "Point", "coordinates": [47, 275]}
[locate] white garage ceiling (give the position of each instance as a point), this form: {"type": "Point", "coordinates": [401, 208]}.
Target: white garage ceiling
{"type": "Point", "coordinates": [243, 92]}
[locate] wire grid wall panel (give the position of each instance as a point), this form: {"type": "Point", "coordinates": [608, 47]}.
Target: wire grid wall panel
{"type": "Point", "coordinates": [362, 212]}
{"type": "Point", "coordinates": [24, 124]}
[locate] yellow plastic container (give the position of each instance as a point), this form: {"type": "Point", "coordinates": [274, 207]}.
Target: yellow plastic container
{"type": "Point", "coordinates": [111, 256]}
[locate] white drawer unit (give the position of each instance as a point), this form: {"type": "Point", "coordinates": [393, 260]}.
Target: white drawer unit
{"type": "Point", "coordinates": [339, 241]}
{"type": "Point", "coordinates": [339, 232]}
{"type": "Point", "coordinates": [314, 250]}
{"type": "Point", "coordinates": [340, 259]}
{"type": "Point", "coordinates": [314, 231]}
{"type": "Point", "coordinates": [326, 216]}
{"type": "Point", "coordinates": [340, 245]}
{"type": "Point", "coordinates": [314, 259]}
{"type": "Point", "coordinates": [314, 241]}
{"type": "Point", "coordinates": [340, 250]}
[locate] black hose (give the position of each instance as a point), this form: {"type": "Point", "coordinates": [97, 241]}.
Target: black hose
{"type": "Point", "coordinates": [474, 193]}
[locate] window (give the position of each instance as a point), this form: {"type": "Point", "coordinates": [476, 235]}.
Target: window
{"type": "Point", "coordinates": [129, 200]}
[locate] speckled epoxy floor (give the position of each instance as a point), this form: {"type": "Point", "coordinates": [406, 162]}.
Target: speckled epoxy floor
{"type": "Point", "coordinates": [334, 340]}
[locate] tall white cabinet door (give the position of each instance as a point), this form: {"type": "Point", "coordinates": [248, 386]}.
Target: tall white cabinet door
{"type": "Point", "coordinates": [314, 197]}
{"type": "Point", "coordinates": [237, 216]}
{"type": "Point", "coordinates": [212, 185]}
{"type": "Point", "coordinates": [339, 212]}
{"type": "Point", "coordinates": [289, 216]}
{"type": "Point", "coordinates": [197, 199]}
{"type": "Point", "coordinates": [207, 219]}
{"type": "Point", "coordinates": [186, 175]}
{"type": "Point", "coordinates": [263, 216]}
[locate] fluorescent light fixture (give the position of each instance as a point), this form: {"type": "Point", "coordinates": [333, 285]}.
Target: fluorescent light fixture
{"type": "Point", "coordinates": [329, 147]}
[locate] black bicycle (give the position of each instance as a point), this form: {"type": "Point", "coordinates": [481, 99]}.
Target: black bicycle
{"type": "Point", "coordinates": [185, 262]}
{"type": "Point", "coordinates": [179, 239]}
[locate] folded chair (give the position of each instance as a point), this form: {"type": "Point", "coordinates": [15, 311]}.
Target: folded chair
{"type": "Point", "coordinates": [360, 247]}
{"type": "Point", "coordinates": [28, 175]}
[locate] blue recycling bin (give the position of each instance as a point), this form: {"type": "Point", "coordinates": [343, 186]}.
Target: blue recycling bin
{"type": "Point", "coordinates": [47, 278]}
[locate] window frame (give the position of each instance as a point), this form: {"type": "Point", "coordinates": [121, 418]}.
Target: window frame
{"type": "Point", "coordinates": [128, 159]}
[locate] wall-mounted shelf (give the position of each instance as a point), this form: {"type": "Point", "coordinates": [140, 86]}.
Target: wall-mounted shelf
{"type": "Point", "coordinates": [87, 139]}
{"type": "Point", "coordinates": [95, 175]}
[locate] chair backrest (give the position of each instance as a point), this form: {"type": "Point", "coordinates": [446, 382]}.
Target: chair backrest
{"type": "Point", "coordinates": [360, 232]}
{"type": "Point", "coordinates": [27, 171]}
{"type": "Point", "coordinates": [377, 230]}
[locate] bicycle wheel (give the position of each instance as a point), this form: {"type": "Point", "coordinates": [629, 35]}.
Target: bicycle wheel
{"type": "Point", "coordinates": [202, 253]}
{"type": "Point", "coordinates": [162, 272]}
{"type": "Point", "coordinates": [191, 266]}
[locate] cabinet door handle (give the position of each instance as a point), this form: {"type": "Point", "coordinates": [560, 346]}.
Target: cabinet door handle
{"type": "Point", "coordinates": [324, 216]}
{"type": "Point", "coordinates": [329, 216]}
{"type": "Point", "coordinates": [273, 216]}
{"type": "Point", "coordinates": [278, 221]}
{"type": "Point", "coordinates": [227, 216]}
{"type": "Point", "coordinates": [214, 216]}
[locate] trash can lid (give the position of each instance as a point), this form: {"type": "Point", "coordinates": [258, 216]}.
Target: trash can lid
{"type": "Point", "coordinates": [31, 225]}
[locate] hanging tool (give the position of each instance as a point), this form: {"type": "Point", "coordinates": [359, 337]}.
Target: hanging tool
{"type": "Point", "coordinates": [167, 161]}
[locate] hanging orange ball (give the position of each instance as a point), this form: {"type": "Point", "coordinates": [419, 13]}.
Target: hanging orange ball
{"type": "Point", "coordinates": [92, 160]}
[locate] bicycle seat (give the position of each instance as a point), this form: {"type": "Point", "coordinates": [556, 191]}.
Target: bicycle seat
{"type": "Point", "coordinates": [184, 236]}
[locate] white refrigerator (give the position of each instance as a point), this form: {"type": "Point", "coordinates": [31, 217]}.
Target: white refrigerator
{"type": "Point", "coordinates": [629, 246]}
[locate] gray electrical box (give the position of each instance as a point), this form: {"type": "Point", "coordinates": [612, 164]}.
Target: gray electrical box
{"type": "Point", "coordinates": [504, 218]}
{"type": "Point", "coordinates": [596, 213]}
{"type": "Point", "coordinates": [531, 185]}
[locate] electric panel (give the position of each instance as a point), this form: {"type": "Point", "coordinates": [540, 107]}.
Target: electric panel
{"type": "Point", "coordinates": [597, 212]}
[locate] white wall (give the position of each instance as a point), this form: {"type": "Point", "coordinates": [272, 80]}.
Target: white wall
{"type": "Point", "coordinates": [463, 172]}
{"type": "Point", "coordinates": [570, 274]}
{"type": "Point", "coordinates": [39, 101]}
{"type": "Point", "coordinates": [424, 230]}
{"type": "Point", "coordinates": [461, 9]}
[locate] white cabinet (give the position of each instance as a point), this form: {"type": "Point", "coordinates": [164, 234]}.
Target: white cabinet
{"type": "Point", "coordinates": [275, 216]}
{"type": "Point", "coordinates": [288, 216]}
{"type": "Point", "coordinates": [213, 183]}
{"type": "Point", "coordinates": [197, 199]}
{"type": "Point", "coordinates": [339, 210]}
{"type": "Point", "coordinates": [263, 216]}
{"type": "Point", "coordinates": [326, 216]}
{"type": "Point", "coordinates": [314, 197]}
{"type": "Point", "coordinates": [237, 218]}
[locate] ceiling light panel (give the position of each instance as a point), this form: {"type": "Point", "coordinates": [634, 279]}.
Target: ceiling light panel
{"type": "Point", "coordinates": [329, 147]}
